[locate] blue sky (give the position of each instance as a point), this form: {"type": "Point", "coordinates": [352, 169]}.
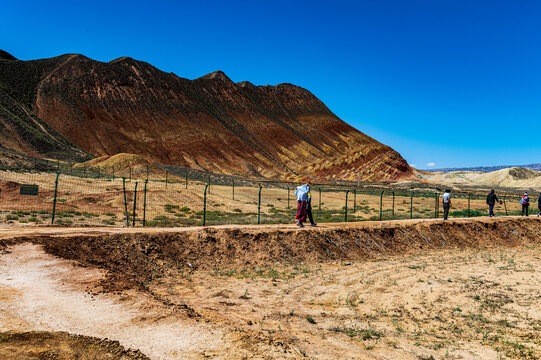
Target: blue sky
{"type": "Point", "coordinates": [454, 83]}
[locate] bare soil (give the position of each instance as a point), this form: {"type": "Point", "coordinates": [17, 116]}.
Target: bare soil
{"type": "Point", "coordinates": [61, 346]}
{"type": "Point", "coordinates": [463, 289]}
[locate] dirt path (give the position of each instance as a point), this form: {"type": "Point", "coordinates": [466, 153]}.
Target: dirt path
{"type": "Point", "coordinates": [41, 292]}
{"type": "Point", "coordinates": [16, 230]}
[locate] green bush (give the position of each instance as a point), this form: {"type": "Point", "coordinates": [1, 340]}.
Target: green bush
{"type": "Point", "coordinates": [467, 213]}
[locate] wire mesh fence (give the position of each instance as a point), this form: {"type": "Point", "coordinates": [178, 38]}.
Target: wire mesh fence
{"type": "Point", "coordinates": [103, 199]}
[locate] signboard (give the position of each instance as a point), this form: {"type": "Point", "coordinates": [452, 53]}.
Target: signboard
{"type": "Point", "coordinates": [29, 189]}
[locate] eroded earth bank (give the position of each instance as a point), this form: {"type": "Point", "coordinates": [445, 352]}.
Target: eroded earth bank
{"type": "Point", "coordinates": [464, 289]}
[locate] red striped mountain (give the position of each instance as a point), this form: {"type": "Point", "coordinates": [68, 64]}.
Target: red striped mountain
{"type": "Point", "coordinates": [211, 123]}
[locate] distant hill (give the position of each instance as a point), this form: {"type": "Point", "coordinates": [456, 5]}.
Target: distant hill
{"type": "Point", "coordinates": [515, 177]}
{"type": "Point", "coordinates": [58, 106]}
{"type": "Point", "coordinates": [536, 167]}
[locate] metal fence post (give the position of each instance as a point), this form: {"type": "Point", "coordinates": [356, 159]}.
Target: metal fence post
{"type": "Point", "coordinates": [354, 200]}
{"type": "Point", "coordinates": [436, 205]}
{"type": "Point", "coordinates": [166, 173]}
{"type": "Point", "coordinates": [205, 205]}
{"type": "Point", "coordinates": [134, 204]}
{"type": "Point", "coordinates": [125, 202]}
{"type": "Point", "coordinates": [346, 209]}
{"type": "Point", "coordinates": [505, 206]}
{"type": "Point", "coordinates": [381, 206]}
{"type": "Point", "coordinates": [411, 205]}
{"type": "Point", "coordinates": [54, 199]}
{"type": "Point", "coordinates": [393, 204]}
{"type": "Point", "coordinates": [259, 206]}
{"type": "Point", "coordinates": [145, 202]}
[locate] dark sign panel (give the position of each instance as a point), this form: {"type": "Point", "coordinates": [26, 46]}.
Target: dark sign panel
{"type": "Point", "coordinates": [29, 189]}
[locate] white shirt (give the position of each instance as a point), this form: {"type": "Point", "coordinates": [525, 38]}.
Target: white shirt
{"type": "Point", "coordinates": [446, 198]}
{"type": "Point", "coordinates": [302, 192]}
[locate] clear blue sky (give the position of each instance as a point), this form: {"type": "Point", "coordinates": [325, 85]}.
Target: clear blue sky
{"type": "Point", "coordinates": [450, 82]}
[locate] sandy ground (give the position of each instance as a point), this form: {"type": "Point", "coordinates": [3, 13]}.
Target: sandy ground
{"type": "Point", "coordinates": [42, 293]}
{"type": "Point", "coordinates": [454, 303]}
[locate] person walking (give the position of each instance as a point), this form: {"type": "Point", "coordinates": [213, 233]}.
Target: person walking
{"type": "Point", "coordinates": [446, 203]}
{"type": "Point", "coordinates": [539, 205]}
{"type": "Point", "coordinates": [525, 201]}
{"type": "Point", "coordinates": [302, 199]}
{"type": "Point", "coordinates": [492, 199]}
{"type": "Point", "coordinates": [309, 206]}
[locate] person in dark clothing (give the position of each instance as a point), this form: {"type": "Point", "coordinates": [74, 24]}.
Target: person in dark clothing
{"type": "Point", "coordinates": [492, 199]}
{"type": "Point", "coordinates": [525, 201]}
{"type": "Point", "coordinates": [539, 205]}
{"type": "Point", "coordinates": [309, 207]}
{"type": "Point", "coordinates": [446, 203]}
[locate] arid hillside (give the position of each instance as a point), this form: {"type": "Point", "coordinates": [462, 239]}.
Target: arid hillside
{"type": "Point", "coordinates": [515, 177]}
{"type": "Point", "coordinates": [210, 123]}
{"type": "Point", "coordinates": [21, 131]}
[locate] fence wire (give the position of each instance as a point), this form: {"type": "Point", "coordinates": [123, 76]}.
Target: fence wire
{"type": "Point", "coordinates": [75, 198]}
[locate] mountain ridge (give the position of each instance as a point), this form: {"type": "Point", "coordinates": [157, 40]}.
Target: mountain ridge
{"type": "Point", "coordinates": [536, 167]}
{"type": "Point", "coordinates": [210, 123]}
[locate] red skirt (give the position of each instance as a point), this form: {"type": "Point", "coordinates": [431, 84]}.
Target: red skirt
{"type": "Point", "coordinates": [301, 211]}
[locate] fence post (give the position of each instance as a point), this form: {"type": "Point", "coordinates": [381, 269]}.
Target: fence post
{"type": "Point", "coordinates": [134, 203]}
{"type": "Point", "coordinates": [125, 202]}
{"type": "Point", "coordinates": [205, 205]}
{"type": "Point", "coordinates": [319, 198]}
{"type": "Point", "coordinates": [393, 204]}
{"type": "Point", "coordinates": [166, 178]}
{"type": "Point", "coordinates": [381, 206]}
{"type": "Point", "coordinates": [54, 199]}
{"type": "Point", "coordinates": [469, 209]}
{"type": "Point", "coordinates": [259, 206]}
{"type": "Point", "coordinates": [436, 204]}
{"type": "Point", "coordinates": [145, 202]}
{"type": "Point", "coordinates": [288, 197]}
{"type": "Point", "coordinates": [130, 172]}
{"type": "Point", "coordinates": [411, 205]}
{"type": "Point", "coordinates": [505, 205]}
{"type": "Point", "coordinates": [354, 200]}
{"type": "Point", "coordinates": [346, 212]}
